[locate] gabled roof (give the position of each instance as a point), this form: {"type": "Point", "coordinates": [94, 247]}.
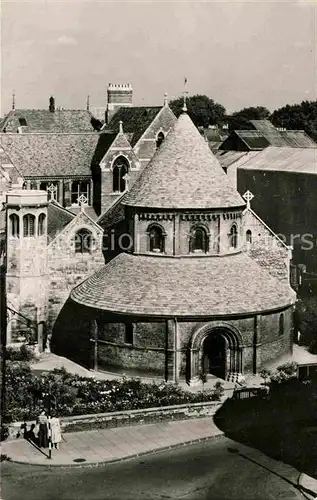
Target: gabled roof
{"type": "Point", "coordinates": [104, 142]}
{"type": "Point", "coordinates": [276, 137]}
{"type": "Point", "coordinates": [50, 155]}
{"type": "Point", "coordinates": [43, 120]}
{"type": "Point", "coordinates": [286, 159]}
{"type": "Point", "coordinates": [57, 218]}
{"type": "Point", "coordinates": [183, 174]}
{"type": "Point", "coordinates": [201, 286]}
{"type": "Point", "coordinates": [297, 139]}
{"type": "Point", "coordinates": [135, 120]}
{"type": "Point", "coordinates": [254, 140]}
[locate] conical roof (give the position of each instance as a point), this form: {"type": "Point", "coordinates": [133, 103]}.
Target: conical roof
{"type": "Point", "coordinates": [183, 174]}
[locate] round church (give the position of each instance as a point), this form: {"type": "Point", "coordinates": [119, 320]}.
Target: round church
{"type": "Point", "coordinates": [185, 297]}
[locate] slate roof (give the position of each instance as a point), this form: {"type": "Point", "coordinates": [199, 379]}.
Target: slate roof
{"type": "Point", "coordinates": [167, 286]}
{"type": "Point", "coordinates": [183, 174]}
{"type": "Point", "coordinates": [57, 218]}
{"type": "Point", "coordinates": [135, 120]}
{"type": "Point", "coordinates": [286, 159]}
{"type": "Point", "coordinates": [42, 120]}
{"type": "Point", "coordinates": [253, 139]}
{"type": "Point", "coordinates": [104, 142]}
{"type": "Point", "coordinates": [50, 155]}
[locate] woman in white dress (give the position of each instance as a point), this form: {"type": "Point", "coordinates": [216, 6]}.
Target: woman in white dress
{"type": "Point", "coordinates": [56, 434]}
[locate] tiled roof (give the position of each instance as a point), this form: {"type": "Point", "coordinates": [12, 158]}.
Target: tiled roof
{"type": "Point", "coordinates": [42, 120]}
{"type": "Point", "coordinates": [57, 218]}
{"type": "Point", "coordinates": [198, 286]}
{"type": "Point", "coordinates": [183, 174]}
{"type": "Point", "coordinates": [253, 139]}
{"type": "Point", "coordinates": [50, 155]}
{"type": "Point", "coordinates": [300, 160]}
{"type": "Point", "coordinates": [104, 142]}
{"type": "Point", "coordinates": [135, 121]}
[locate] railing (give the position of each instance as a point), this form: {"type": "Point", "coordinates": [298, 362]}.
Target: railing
{"type": "Point", "coordinates": [250, 392]}
{"type": "Point", "coordinates": [307, 371]}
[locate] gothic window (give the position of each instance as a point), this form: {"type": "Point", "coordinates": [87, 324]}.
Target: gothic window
{"type": "Point", "coordinates": [23, 122]}
{"type": "Point", "coordinates": [83, 241]}
{"type": "Point", "coordinates": [41, 225]}
{"type": "Point", "coordinates": [249, 236]}
{"type": "Point", "coordinates": [120, 170]}
{"type": "Point", "coordinates": [80, 188]}
{"type": "Point", "coordinates": [156, 239]}
{"type": "Point", "coordinates": [233, 236]}
{"type": "Point", "coordinates": [281, 325]}
{"type": "Point", "coordinates": [160, 138]}
{"type": "Point", "coordinates": [199, 240]}
{"type": "Point", "coordinates": [128, 333]}
{"type": "Point", "coordinates": [15, 225]}
{"type": "Point", "coordinates": [28, 225]}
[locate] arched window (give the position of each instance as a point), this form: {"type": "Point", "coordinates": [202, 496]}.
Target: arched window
{"type": "Point", "coordinates": [41, 225]}
{"type": "Point", "coordinates": [28, 225]}
{"type": "Point", "coordinates": [14, 225]}
{"type": "Point", "coordinates": [281, 325]}
{"type": "Point", "coordinates": [160, 138]}
{"type": "Point", "coordinates": [83, 241]}
{"type": "Point", "coordinates": [199, 240]}
{"type": "Point", "coordinates": [248, 235]}
{"type": "Point", "coordinates": [233, 236]}
{"type": "Point", "coordinates": [156, 239]}
{"type": "Point", "coordinates": [120, 170]}
{"type": "Point", "coordinates": [128, 333]}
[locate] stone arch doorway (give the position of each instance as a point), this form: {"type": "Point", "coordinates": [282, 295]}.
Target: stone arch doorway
{"type": "Point", "coordinates": [216, 350]}
{"type": "Point", "coordinates": [214, 359]}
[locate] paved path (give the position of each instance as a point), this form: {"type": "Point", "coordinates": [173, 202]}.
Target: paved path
{"type": "Point", "coordinates": [107, 445]}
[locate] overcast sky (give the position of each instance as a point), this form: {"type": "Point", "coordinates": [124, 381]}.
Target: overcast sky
{"type": "Point", "coordinates": [255, 52]}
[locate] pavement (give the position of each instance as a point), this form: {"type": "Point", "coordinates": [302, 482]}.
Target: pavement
{"type": "Point", "coordinates": [111, 445]}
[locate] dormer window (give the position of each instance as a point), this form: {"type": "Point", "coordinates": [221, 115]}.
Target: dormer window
{"type": "Point", "coordinates": [233, 236]}
{"type": "Point", "coordinates": [156, 239]}
{"type": "Point", "coordinates": [160, 138]}
{"type": "Point", "coordinates": [22, 122]}
{"type": "Point", "coordinates": [198, 240]}
{"type": "Point", "coordinates": [120, 170]}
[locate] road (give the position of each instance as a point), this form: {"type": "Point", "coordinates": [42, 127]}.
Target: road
{"type": "Point", "coordinates": [211, 470]}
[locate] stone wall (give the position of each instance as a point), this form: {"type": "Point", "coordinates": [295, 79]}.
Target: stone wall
{"type": "Point", "coordinates": [265, 248]}
{"type": "Point", "coordinates": [67, 268]}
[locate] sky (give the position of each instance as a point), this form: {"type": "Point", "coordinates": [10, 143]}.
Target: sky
{"type": "Point", "coordinates": [240, 53]}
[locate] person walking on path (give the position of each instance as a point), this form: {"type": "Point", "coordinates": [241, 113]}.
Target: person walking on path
{"type": "Point", "coordinates": [56, 434]}
{"type": "Point", "coordinates": [43, 430]}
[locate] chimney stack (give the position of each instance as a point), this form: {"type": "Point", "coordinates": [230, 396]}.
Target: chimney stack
{"type": "Point", "coordinates": [52, 104]}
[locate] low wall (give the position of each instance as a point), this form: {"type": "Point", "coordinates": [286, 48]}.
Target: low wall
{"type": "Point", "coordinates": [131, 417]}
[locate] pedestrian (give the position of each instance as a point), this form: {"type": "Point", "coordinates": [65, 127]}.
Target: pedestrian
{"type": "Point", "coordinates": [43, 430]}
{"type": "Point", "coordinates": [56, 434]}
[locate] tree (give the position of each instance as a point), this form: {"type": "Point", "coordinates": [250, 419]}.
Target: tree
{"type": "Point", "coordinates": [201, 109]}
{"type": "Point", "coordinates": [298, 117]}
{"type": "Point", "coordinates": [240, 120]}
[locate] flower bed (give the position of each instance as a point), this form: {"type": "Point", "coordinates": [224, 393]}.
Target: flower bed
{"type": "Point", "coordinates": [69, 394]}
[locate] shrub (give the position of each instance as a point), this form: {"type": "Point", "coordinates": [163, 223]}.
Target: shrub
{"type": "Point", "coordinates": [23, 353]}
{"type": "Point", "coordinates": [74, 395]}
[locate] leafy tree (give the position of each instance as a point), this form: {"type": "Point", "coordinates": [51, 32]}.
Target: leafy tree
{"type": "Point", "coordinates": [201, 109]}
{"type": "Point", "coordinates": [240, 120]}
{"type": "Point", "coordinates": [298, 117]}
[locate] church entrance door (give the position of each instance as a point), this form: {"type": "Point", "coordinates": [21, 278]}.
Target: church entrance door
{"type": "Point", "coordinates": [215, 355]}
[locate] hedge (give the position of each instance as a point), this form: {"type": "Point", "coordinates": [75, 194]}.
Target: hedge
{"type": "Point", "coordinates": [67, 394]}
